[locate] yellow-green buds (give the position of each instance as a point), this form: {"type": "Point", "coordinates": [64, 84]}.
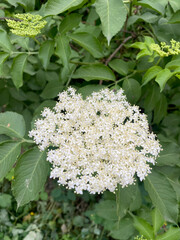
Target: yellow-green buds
{"type": "Point", "coordinates": [26, 24]}
{"type": "Point", "coordinates": [165, 50]}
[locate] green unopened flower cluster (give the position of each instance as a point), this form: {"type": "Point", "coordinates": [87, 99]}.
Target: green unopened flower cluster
{"type": "Point", "coordinates": [165, 50]}
{"type": "Point", "coordinates": [140, 238]}
{"type": "Point", "coordinates": [26, 24]}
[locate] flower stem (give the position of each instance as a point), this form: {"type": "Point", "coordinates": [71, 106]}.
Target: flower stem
{"type": "Point", "coordinates": [118, 203]}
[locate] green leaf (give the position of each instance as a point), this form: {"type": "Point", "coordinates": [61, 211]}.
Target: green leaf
{"type": "Point", "coordinates": [17, 69]}
{"type": "Point", "coordinates": [162, 77]}
{"type": "Point", "coordinates": [88, 42]}
{"type": "Point", "coordinates": [173, 64]}
{"type": "Point", "coordinates": [5, 200]}
{"type": "Point", "coordinates": [121, 66]}
{"type": "Point", "coordinates": [30, 175]}
{"type": "Point", "coordinates": [51, 90]}
{"type": "Point", "coordinates": [146, 17]}
{"type": "Point", "coordinates": [160, 109]}
{"type": "Point", "coordinates": [175, 17]}
{"type": "Point", "coordinates": [5, 41]}
{"type": "Point", "coordinates": [124, 231]}
{"type": "Point", "coordinates": [151, 98]}
{"type": "Point", "coordinates": [88, 89]}
{"type": "Point", "coordinates": [106, 209]}
{"type": "Point", "coordinates": [12, 124]}
{"type": "Point", "coordinates": [69, 22]}
{"type": "Point", "coordinates": [63, 50]}
{"type": "Point", "coordinates": [172, 234]}
{"type": "Point", "coordinates": [45, 52]}
{"type": "Point", "coordinates": [175, 4]}
{"type": "Point", "coordinates": [124, 199]}
{"type": "Point", "coordinates": [162, 195]}
{"type": "Point", "coordinates": [150, 74]}
{"type": "Point", "coordinates": [9, 152]}
{"type": "Point", "coordinates": [132, 89]}
{"type": "Point", "coordinates": [153, 4]}
{"type": "Point", "coordinates": [112, 14]}
{"type": "Point", "coordinates": [94, 72]}
{"type": "Point", "coordinates": [54, 7]}
{"type": "Point", "coordinates": [170, 155]}
{"type": "Point", "coordinates": [143, 227]}
{"type": "Point", "coordinates": [3, 57]}
{"type": "Point", "coordinates": [157, 220]}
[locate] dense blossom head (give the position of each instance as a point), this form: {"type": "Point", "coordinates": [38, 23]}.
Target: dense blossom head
{"type": "Point", "coordinates": [165, 50]}
{"type": "Point", "coordinates": [97, 143]}
{"type": "Point", "coordinates": [26, 24]}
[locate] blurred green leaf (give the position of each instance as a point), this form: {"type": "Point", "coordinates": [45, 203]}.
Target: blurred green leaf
{"type": "Point", "coordinates": [143, 227]}
{"type": "Point", "coordinates": [3, 57]}
{"type": "Point", "coordinates": [5, 41]}
{"type": "Point", "coordinates": [160, 109]}
{"type": "Point", "coordinates": [88, 89]}
{"type": "Point", "coordinates": [121, 66]}
{"type": "Point", "coordinates": [173, 234]}
{"type": "Point", "coordinates": [52, 89]}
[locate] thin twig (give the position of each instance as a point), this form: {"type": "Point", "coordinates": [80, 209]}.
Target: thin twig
{"type": "Point", "coordinates": [117, 49]}
{"type": "Point", "coordinates": [15, 19]}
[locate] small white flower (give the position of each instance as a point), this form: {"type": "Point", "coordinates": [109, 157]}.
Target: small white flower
{"type": "Point", "coordinates": [99, 142]}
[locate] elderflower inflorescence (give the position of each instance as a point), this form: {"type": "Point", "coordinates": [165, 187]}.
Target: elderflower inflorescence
{"type": "Point", "coordinates": [98, 142]}
{"type": "Point", "coordinates": [26, 24]}
{"type": "Point", "coordinates": [165, 50]}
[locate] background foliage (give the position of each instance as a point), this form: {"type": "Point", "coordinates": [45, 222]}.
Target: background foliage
{"type": "Point", "coordinates": [88, 45]}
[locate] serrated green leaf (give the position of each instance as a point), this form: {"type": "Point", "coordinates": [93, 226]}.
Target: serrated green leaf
{"type": "Point", "coordinates": [162, 77]}
{"type": "Point", "coordinates": [88, 42]}
{"type": "Point", "coordinates": [132, 89]}
{"type": "Point", "coordinates": [30, 175]}
{"type": "Point", "coordinates": [9, 152]}
{"type": "Point", "coordinates": [157, 220]}
{"type": "Point", "coordinates": [112, 14]}
{"type": "Point", "coordinates": [94, 72]}
{"type": "Point", "coordinates": [63, 50]}
{"type": "Point", "coordinates": [54, 7]}
{"type": "Point", "coordinates": [5, 41]}
{"type": "Point", "coordinates": [17, 69]}
{"type": "Point", "coordinates": [150, 74]}
{"type": "Point", "coordinates": [69, 22]}
{"type": "Point", "coordinates": [162, 195]}
{"type": "Point", "coordinates": [143, 227]}
{"type": "Point", "coordinates": [3, 57]}
{"type": "Point", "coordinates": [12, 124]}
{"type": "Point", "coordinates": [172, 234]}
{"type": "Point", "coordinates": [45, 52]}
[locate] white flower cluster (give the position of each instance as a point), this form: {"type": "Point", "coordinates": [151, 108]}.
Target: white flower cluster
{"type": "Point", "coordinates": [96, 143]}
